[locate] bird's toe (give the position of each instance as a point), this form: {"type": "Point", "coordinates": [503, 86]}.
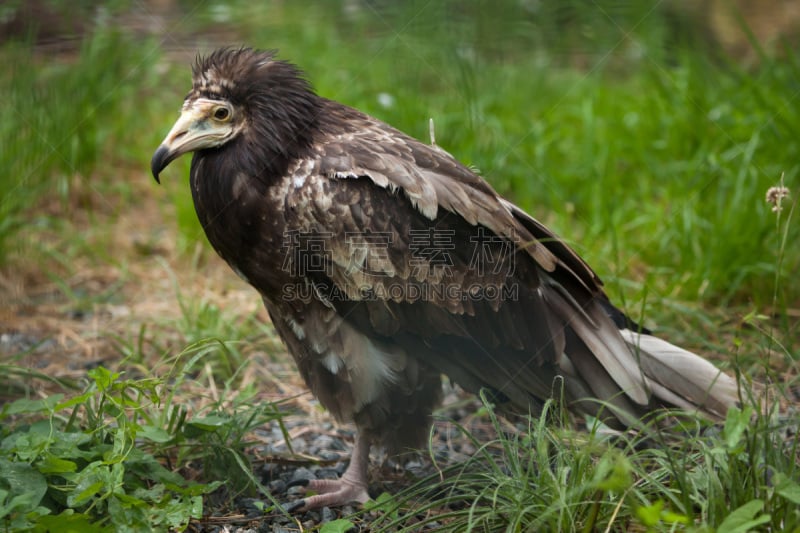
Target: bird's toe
{"type": "Point", "coordinates": [330, 493]}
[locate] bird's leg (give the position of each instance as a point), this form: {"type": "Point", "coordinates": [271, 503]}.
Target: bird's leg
{"type": "Point", "coordinates": [350, 488]}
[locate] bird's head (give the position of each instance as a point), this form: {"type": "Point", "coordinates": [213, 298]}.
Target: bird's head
{"type": "Point", "coordinates": [240, 92]}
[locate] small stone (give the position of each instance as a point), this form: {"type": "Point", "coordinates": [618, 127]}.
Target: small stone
{"type": "Point", "coordinates": [277, 486]}
{"type": "Point", "coordinates": [322, 442]}
{"type": "Point", "coordinates": [328, 455]}
{"type": "Point", "coordinates": [413, 464]}
{"type": "Point", "coordinates": [327, 515]}
{"type": "Point", "coordinates": [253, 507]}
{"type": "Point", "coordinates": [302, 473]}
{"type": "Point", "coordinates": [327, 473]}
{"type": "Point", "coordinates": [300, 445]}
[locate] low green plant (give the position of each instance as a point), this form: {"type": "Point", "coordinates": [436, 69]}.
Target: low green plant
{"type": "Point", "coordinates": [109, 459]}
{"type": "Point", "coordinates": [220, 430]}
{"type": "Point", "coordinates": [82, 463]}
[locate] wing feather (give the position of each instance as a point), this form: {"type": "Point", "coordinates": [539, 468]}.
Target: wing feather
{"type": "Point", "coordinates": [394, 186]}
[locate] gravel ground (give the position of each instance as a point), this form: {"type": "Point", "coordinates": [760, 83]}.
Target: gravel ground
{"type": "Point", "coordinates": [327, 448]}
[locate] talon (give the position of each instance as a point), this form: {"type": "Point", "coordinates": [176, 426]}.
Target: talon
{"type": "Point", "coordinates": [351, 488]}
{"type": "Point", "coordinates": [291, 507]}
{"type": "Point", "coordinates": [334, 493]}
{"type": "Point", "coordinates": [298, 483]}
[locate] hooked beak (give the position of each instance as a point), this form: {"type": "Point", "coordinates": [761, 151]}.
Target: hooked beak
{"type": "Point", "coordinates": [194, 130]}
{"type": "Point", "coordinates": [160, 160]}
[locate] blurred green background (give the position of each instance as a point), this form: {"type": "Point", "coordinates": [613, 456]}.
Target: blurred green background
{"type": "Point", "coordinates": [646, 133]}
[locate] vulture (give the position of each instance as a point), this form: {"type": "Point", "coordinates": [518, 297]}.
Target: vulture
{"type": "Point", "coordinates": [385, 263]}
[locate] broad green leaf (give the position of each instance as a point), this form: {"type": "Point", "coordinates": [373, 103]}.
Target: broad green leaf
{"type": "Point", "coordinates": [50, 464]}
{"type": "Point", "coordinates": [81, 398]}
{"type": "Point", "coordinates": [149, 494]}
{"type": "Point", "coordinates": [340, 525]}
{"type": "Point", "coordinates": [88, 482]}
{"type": "Point", "coordinates": [121, 446]}
{"type": "Point", "coordinates": [650, 515]}
{"type": "Point", "coordinates": [68, 522]}
{"type": "Point", "coordinates": [24, 485]}
{"type": "Point", "coordinates": [787, 488]}
{"type": "Point", "coordinates": [103, 377]}
{"type": "Point", "coordinates": [743, 519]}
{"type": "Point", "coordinates": [74, 445]}
{"type": "Point", "coordinates": [129, 516]}
{"type": "Point", "coordinates": [154, 434]}
{"type": "Point", "coordinates": [197, 504]}
{"type": "Point", "coordinates": [146, 466]}
{"type": "Point", "coordinates": [178, 511]}
{"type": "Point", "coordinates": [385, 502]}
{"type": "Point", "coordinates": [671, 517]}
{"type": "Point", "coordinates": [16, 504]}
{"type": "Point", "coordinates": [83, 493]}
{"type": "Point", "coordinates": [613, 473]}
{"type": "Point", "coordinates": [736, 423]}
{"type": "Point", "coordinates": [23, 405]}
{"type": "Point", "coordinates": [27, 446]}
{"type": "Point", "coordinates": [207, 424]}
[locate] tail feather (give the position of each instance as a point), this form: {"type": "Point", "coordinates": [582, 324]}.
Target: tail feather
{"type": "Point", "coordinates": [681, 378]}
{"type": "Point", "coordinates": [597, 333]}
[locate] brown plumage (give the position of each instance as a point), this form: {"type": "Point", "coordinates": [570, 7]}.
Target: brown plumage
{"type": "Point", "coordinates": [384, 263]}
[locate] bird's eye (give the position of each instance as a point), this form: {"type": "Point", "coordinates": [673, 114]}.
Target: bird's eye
{"type": "Point", "coordinates": [222, 113]}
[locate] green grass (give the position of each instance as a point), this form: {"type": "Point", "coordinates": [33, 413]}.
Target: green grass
{"type": "Point", "coordinates": [549, 478]}
{"type": "Point", "coordinates": [70, 123]}
{"type": "Point", "coordinates": [649, 155]}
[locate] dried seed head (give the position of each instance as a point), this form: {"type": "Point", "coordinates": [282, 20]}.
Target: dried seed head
{"type": "Point", "coordinates": [775, 196]}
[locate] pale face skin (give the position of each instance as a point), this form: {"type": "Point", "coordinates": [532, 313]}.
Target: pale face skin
{"type": "Point", "coordinates": [204, 123]}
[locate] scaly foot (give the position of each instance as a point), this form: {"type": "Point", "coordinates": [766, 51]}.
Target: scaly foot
{"type": "Point", "coordinates": [351, 488]}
